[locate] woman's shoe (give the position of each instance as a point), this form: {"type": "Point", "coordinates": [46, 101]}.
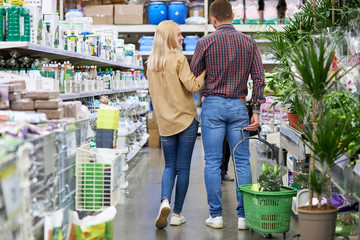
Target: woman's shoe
{"type": "Point", "coordinates": [164, 211]}
{"type": "Point", "coordinates": [177, 220]}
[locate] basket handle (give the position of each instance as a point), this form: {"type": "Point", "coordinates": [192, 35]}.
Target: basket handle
{"type": "Point", "coordinates": [276, 154]}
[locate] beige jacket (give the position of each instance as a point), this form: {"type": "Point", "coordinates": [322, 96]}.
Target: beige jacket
{"type": "Point", "coordinates": [171, 93]}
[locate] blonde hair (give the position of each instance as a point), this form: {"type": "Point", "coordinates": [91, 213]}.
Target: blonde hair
{"type": "Point", "coordinates": [165, 41]}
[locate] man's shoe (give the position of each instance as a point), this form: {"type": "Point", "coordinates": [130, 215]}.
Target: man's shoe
{"type": "Point", "coordinates": [177, 220]}
{"type": "Point", "coordinates": [164, 211]}
{"type": "Point", "coordinates": [226, 177]}
{"type": "Point", "coordinates": [242, 224]}
{"type": "Point", "coordinates": [216, 222]}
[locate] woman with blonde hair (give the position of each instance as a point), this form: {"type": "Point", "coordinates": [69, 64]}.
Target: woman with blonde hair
{"type": "Point", "coordinates": [171, 84]}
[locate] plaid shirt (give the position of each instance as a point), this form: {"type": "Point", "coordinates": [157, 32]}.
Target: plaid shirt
{"type": "Point", "coordinates": [229, 57]}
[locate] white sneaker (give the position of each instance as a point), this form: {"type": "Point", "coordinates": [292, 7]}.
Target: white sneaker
{"type": "Point", "coordinates": [216, 222]}
{"type": "Point", "coordinates": [242, 224]}
{"type": "Point", "coordinates": [161, 220]}
{"type": "Point", "coordinates": [177, 220]}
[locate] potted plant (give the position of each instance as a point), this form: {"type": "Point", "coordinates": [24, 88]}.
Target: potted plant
{"type": "Point", "coordinates": [325, 134]}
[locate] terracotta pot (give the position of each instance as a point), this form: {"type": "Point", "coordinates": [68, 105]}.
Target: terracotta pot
{"type": "Point", "coordinates": [317, 225]}
{"type": "Point", "coordinates": [294, 120]}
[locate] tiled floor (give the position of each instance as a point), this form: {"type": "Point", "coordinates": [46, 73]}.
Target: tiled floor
{"type": "Point", "coordinates": [135, 219]}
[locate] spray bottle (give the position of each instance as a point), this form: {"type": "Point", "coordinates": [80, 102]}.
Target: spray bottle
{"type": "Point", "coordinates": [13, 26]}
{"type": "Point", "coordinates": [2, 21]}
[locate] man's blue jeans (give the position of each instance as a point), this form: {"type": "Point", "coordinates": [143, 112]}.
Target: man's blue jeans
{"type": "Point", "coordinates": [178, 151]}
{"type": "Point", "coordinates": [219, 117]}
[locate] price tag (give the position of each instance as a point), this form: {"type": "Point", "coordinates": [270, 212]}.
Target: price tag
{"type": "Point", "coordinates": [10, 185]}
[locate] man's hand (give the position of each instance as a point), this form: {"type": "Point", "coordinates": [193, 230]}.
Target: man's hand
{"type": "Point", "coordinates": [254, 124]}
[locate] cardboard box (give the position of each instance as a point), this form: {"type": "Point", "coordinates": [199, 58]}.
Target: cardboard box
{"type": "Point", "coordinates": [196, 13]}
{"type": "Point", "coordinates": [101, 14]}
{"type": "Point", "coordinates": [154, 138]}
{"type": "Point", "coordinates": [128, 14]}
{"type": "Point", "coordinates": [151, 122]}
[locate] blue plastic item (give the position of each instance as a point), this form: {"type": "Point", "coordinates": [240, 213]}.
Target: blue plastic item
{"type": "Point", "coordinates": [146, 43]}
{"type": "Point", "coordinates": [190, 43]}
{"type": "Point", "coordinates": [157, 12]}
{"type": "Point", "coordinates": [177, 12]}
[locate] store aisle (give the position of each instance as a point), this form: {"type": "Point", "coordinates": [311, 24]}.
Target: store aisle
{"type": "Point", "coordinates": [135, 219]}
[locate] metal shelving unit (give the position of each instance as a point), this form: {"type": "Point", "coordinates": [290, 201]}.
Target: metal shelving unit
{"type": "Point", "coordinates": [290, 139]}
{"type": "Point", "coordinates": [98, 93]}
{"type": "Point", "coordinates": [35, 50]}
{"type": "Point", "coordinates": [149, 28]}
{"type": "Point", "coordinates": [186, 53]}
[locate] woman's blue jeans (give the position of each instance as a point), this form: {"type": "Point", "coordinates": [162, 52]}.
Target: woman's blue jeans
{"type": "Point", "coordinates": [219, 117]}
{"type": "Point", "coordinates": [178, 151]}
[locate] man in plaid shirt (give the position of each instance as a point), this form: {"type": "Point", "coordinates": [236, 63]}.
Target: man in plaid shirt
{"type": "Point", "coordinates": [229, 57]}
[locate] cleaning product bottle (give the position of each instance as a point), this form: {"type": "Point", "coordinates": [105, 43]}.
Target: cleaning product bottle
{"type": "Point", "coordinates": [62, 78]}
{"type": "Point", "coordinates": [118, 80]}
{"type": "Point", "coordinates": [100, 80]}
{"type": "Point", "coordinates": [72, 42]}
{"type": "Point", "coordinates": [112, 79]}
{"type": "Point", "coordinates": [2, 21]}
{"type": "Point", "coordinates": [24, 23]}
{"type": "Point", "coordinates": [13, 26]}
{"type": "Point", "coordinates": [106, 79]}
{"type": "Point", "coordinates": [22, 71]}
{"type": "Point", "coordinates": [78, 80]}
{"type": "Point", "coordinates": [95, 79]}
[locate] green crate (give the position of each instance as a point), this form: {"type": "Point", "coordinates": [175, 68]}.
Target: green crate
{"type": "Point", "coordinates": [268, 212]}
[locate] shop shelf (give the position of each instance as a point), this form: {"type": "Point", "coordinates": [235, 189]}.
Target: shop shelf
{"type": "Point", "coordinates": [69, 96]}
{"type": "Point", "coordinates": [149, 28]}
{"type": "Point", "coordinates": [291, 140]}
{"type": "Point", "coordinates": [254, 28]}
{"type": "Point", "coordinates": [36, 50]}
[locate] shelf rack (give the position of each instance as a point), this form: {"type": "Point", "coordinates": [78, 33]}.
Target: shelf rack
{"type": "Point", "coordinates": [69, 96]}
{"type": "Point", "coordinates": [187, 28]}
{"type": "Point", "coordinates": [36, 50]}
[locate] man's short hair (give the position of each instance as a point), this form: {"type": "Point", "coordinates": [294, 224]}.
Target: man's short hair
{"type": "Point", "coordinates": [221, 10]}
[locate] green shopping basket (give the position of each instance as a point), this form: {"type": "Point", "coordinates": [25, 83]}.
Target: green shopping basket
{"type": "Point", "coordinates": [265, 212]}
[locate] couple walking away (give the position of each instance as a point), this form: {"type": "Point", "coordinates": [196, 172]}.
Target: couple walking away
{"type": "Point", "coordinates": [226, 58]}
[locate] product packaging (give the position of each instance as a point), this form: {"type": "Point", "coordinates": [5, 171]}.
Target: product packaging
{"type": "Point", "coordinates": [23, 104]}
{"type": "Point", "coordinates": [92, 227]}
{"type": "Point", "coordinates": [48, 104]}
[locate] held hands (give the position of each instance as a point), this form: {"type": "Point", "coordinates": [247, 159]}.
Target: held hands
{"type": "Point", "coordinates": [254, 124]}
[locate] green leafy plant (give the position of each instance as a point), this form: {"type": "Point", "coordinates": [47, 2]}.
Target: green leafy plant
{"type": "Point", "coordinates": [270, 179]}
{"type": "Point", "coordinates": [315, 81]}
{"type": "Point", "coordinates": [328, 142]}
{"type": "Point", "coordinates": [345, 104]}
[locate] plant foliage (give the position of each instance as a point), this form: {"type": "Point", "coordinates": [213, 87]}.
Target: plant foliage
{"type": "Point", "coordinates": [270, 179]}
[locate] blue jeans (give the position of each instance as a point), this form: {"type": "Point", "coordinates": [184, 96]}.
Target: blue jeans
{"type": "Point", "coordinates": [178, 151]}
{"type": "Point", "coordinates": [219, 117]}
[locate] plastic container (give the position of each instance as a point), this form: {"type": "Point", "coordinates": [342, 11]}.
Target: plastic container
{"type": "Point", "coordinates": [265, 212]}
{"type": "Point", "coordinates": [268, 212]}
{"type": "Point", "coordinates": [190, 43]}
{"type": "Point", "coordinates": [73, 13]}
{"type": "Point", "coordinates": [25, 27]}
{"type": "Point", "coordinates": [157, 12]}
{"type": "Point", "coordinates": [146, 43]}
{"type": "Point", "coordinates": [2, 21]}
{"type": "Point", "coordinates": [13, 24]}
{"type": "Point", "coordinates": [97, 179]}
{"type": "Point", "coordinates": [177, 12]}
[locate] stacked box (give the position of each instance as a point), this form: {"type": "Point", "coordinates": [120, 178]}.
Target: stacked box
{"type": "Point", "coordinates": [153, 131]}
